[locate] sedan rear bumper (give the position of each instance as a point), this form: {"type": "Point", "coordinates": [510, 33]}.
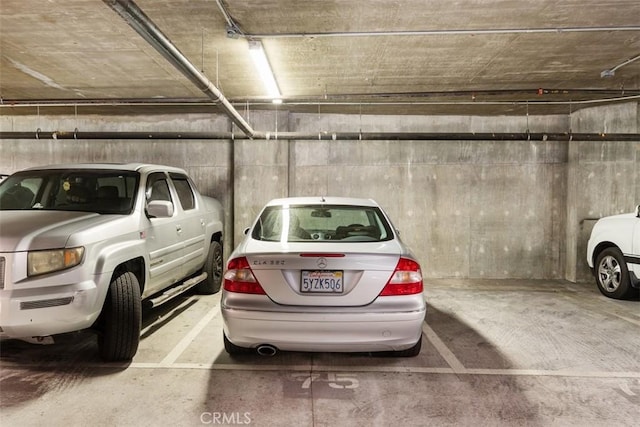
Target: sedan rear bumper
{"type": "Point", "coordinates": [348, 330]}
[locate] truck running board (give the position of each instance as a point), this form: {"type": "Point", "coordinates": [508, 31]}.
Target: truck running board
{"type": "Point", "coordinates": [177, 290]}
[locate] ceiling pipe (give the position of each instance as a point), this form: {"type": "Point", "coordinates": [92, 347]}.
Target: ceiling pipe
{"type": "Point", "coordinates": [327, 136]}
{"type": "Point", "coordinates": [140, 22]}
{"type": "Point", "coordinates": [377, 99]}
{"type": "Point", "coordinates": [190, 102]}
{"type": "Point", "coordinates": [450, 32]}
{"type": "Point", "coordinates": [234, 31]}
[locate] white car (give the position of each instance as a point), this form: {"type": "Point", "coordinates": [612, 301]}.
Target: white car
{"type": "Point", "coordinates": [323, 274]}
{"type": "Point", "coordinates": [613, 253]}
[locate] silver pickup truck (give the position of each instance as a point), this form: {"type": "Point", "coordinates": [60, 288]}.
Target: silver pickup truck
{"type": "Point", "coordinates": [82, 246]}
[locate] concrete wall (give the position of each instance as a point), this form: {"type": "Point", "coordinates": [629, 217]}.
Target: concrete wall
{"type": "Point", "coordinates": [477, 209]}
{"type": "Point", "coordinates": [467, 208]}
{"type": "Point", "coordinates": [209, 163]}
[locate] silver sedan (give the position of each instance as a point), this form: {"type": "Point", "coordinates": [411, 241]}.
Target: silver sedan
{"type": "Point", "coordinates": [323, 274]}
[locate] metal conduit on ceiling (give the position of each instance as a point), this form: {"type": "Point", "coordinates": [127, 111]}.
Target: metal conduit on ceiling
{"type": "Point", "coordinates": [143, 25]}
{"type": "Point", "coordinates": [322, 101]}
{"type": "Point", "coordinates": [327, 136]}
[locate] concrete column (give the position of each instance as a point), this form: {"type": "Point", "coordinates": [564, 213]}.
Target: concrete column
{"type": "Point", "coordinates": [603, 178]}
{"type": "Point", "coordinates": [260, 170]}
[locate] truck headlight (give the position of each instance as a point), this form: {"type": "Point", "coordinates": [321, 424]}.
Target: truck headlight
{"type": "Point", "coordinates": [41, 262]}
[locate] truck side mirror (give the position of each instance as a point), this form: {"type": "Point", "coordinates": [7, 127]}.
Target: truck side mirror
{"type": "Point", "coordinates": [638, 211]}
{"type": "Point", "coordinates": [159, 209]}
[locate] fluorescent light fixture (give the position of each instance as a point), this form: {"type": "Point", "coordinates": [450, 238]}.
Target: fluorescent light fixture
{"type": "Point", "coordinates": [264, 69]}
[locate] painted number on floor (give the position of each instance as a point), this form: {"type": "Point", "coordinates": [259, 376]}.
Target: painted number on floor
{"type": "Point", "coordinates": [333, 380]}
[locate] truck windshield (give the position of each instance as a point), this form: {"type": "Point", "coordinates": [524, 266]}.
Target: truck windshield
{"type": "Point", "coordinates": [86, 190]}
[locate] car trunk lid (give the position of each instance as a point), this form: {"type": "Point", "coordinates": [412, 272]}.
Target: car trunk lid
{"type": "Point", "coordinates": [324, 274]}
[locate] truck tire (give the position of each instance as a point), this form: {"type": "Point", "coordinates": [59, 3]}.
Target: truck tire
{"type": "Point", "coordinates": [213, 268]}
{"type": "Point", "coordinates": [612, 275]}
{"type": "Point", "coordinates": [121, 319]}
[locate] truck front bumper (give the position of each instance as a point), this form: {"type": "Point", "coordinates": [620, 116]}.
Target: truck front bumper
{"type": "Point", "coordinates": [44, 311]}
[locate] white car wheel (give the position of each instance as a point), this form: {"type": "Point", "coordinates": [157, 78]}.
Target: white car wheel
{"type": "Point", "coordinates": [612, 275]}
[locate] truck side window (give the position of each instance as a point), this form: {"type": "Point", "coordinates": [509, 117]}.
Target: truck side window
{"type": "Point", "coordinates": [158, 188]}
{"type": "Point", "coordinates": [185, 192]}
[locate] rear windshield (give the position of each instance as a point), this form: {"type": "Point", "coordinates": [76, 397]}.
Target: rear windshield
{"type": "Point", "coordinates": [100, 191]}
{"type": "Point", "coordinates": [313, 223]}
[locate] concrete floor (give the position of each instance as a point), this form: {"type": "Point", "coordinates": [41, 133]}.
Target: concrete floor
{"type": "Point", "coordinates": [533, 353]}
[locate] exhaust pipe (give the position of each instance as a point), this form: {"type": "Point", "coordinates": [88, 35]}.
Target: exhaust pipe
{"type": "Point", "coordinates": [266, 350]}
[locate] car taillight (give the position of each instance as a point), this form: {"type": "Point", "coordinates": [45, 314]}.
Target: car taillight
{"type": "Point", "coordinates": [405, 280]}
{"type": "Point", "coordinates": [239, 278]}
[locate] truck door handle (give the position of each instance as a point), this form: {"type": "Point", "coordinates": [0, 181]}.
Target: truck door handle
{"type": "Point", "coordinates": [178, 229]}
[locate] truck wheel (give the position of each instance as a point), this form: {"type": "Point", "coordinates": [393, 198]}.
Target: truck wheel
{"type": "Point", "coordinates": [213, 268]}
{"type": "Point", "coordinates": [121, 319]}
{"type": "Point", "coordinates": [612, 275]}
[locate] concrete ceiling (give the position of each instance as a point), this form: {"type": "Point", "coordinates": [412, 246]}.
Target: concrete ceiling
{"type": "Point", "coordinates": [379, 56]}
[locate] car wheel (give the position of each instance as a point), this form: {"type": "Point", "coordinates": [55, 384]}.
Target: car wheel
{"type": "Point", "coordinates": [612, 275]}
{"type": "Point", "coordinates": [121, 319]}
{"type": "Point", "coordinates": [213, 268]}
{"type": "Point", "coordinates": [231, 348]}
{"type": "Point", "coordinates": [411, 351]}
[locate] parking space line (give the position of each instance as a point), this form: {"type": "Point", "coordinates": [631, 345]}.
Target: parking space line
{"type": "Point", "coordinates": [346, 368]}
{"type": "Point", "coordinates": [443, 350]}
{"type": "Point", "coordinates": [628, 319]}
{"type": "Point", "coordinates": [188, 338]}
{"type": "Point", "coordinates": [389, 369]}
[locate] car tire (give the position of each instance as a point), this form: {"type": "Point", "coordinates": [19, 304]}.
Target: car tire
{"type": "Point", "coordinates": [612, 275]}
{"type": "Point", "coordinates": [411, 351]}
{"type": "Point", "coordinates": [213, 267]}
{"type": "Point", "coordinates": [121, 319]}
{"type": "Point", "coordinates": [233, 349]}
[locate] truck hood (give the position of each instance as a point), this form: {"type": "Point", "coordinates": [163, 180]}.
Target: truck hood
{"type": "Point", "coordinates": [37, 230]}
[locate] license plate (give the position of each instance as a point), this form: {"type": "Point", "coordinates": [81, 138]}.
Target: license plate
{"type": "Point", "coordinates": [322, 281]}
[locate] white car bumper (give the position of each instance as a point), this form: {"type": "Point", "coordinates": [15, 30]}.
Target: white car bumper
{"type": "Point", "coordinates": [333, 331]}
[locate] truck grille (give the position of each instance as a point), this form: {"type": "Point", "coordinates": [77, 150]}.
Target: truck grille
{"type": "Point", "coordinates": [45, 303]}
{"type": "Point", "coordinates": [2, 272]}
